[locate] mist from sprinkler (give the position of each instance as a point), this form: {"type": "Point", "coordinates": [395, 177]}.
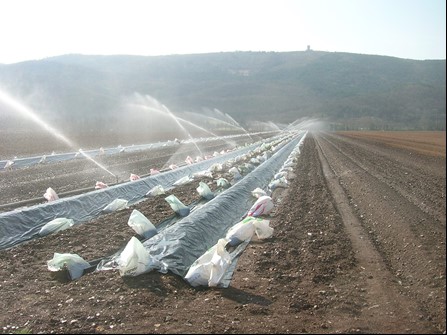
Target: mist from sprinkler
{"type": "Point", "coordinates": [239, 127]}
{"type": "Point", "coordinates": [181, 127]}
{"type": "Point", "coordinates": [30, 114]}
{"type": "Point", "coordinates": [303, 123]}
{"type": "Point", "coordinates": [162, 109]}
{"type": "Point", "coordinates": [97, 163]}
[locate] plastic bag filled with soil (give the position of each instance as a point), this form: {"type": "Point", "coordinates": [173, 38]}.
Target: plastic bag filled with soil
{"type": "Point", "coordinates": [204, 191]}
{"type": "Point", "coordinates": [177, 206]}
{"type": "Point", "coordinates": [209, 269]}
{"type": "Point", "coordinates": [56, 225]}
{"type": "Point", "coordinates": [134, 259]}
{"type": "Point", "coordinates": [258, 192]}
{"type": "Point", "coordinates": [72, 263]}
{"type": "Point", "coordinates": [182, 181]}
{"type": "Point", "coordinates": [262, 206]}
{"type": "Point", "coordinates": [115, 205]}
{"type": "Point", "coordinates": [281, 182]}
{"type": "Point", "coordinates": [223, 183]}
{"type": "Point", "coordinates": [141, 225]}
{"type": "Point", "coordinates": [156, 190]}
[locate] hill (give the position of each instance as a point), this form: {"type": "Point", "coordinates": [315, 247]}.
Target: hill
{"type": "Point", "coordinates": [350, 91]}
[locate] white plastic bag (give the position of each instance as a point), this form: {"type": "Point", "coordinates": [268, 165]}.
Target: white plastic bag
{"type": "Point", "coordinates": [115, 205]}
{"type": "Point", "coordinates": [258, 192]}
{"type": "Point", "coordinates": [262, 228]}
{"type": "Point", "coordinates": [209, 269]}
{"type": "Point", "coordinates": [74, 263]}
{"type": "Point", "coordinates": [142, 225]}
{"type": "Point", "coordinates": [216, 167]}
{"type": "Point", "coordinates": [56, 225]}
{"type": "Point", "coordinates": [50, 195]}
{"type": "Point", "coordinates": [255, 161]}
{"type": "Point", "coordinates": [177, 206]}
{"type": "Point", "coordinates": [156, 190]}
{"type": "Point", "coordinates": [241, 231]}
{"type": "Point", "coordinates": [244, 230]}
{"type": "Point", "coordinates": [134, 259]}
{"type": "Point", "coordinates": [134, 177]}
{"type": "Point", "coordinates": [205, 173]}
{"type": "Point", "coordinates": [262, 206]}
{"type": "Point", "coordinates": [281, 182]}
{"type": "Point", "coordinates": [223, 183]}
{"type": "Point", "coordinates": [182, 181]}
{"type": "Point", "coordinates": [280, 175]}
{"type": "Point", "coordinates": [204, 191]}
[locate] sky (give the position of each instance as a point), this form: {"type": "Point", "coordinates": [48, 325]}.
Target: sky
{"type": "Point", "coordinates": [37, 29]}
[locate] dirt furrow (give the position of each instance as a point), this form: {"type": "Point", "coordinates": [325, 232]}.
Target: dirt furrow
{"type": "Point", "coordinates": [413, 184]}
{"type": "Point", "coordinates": [384, 301]}
{"type": "Point", "coordinates": [408, 240]}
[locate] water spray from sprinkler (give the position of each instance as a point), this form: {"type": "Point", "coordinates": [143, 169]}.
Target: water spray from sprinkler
{"type": "Point", "coordinates": [101, 166]}
{"type": "Point", "coordinates": [30, 114]}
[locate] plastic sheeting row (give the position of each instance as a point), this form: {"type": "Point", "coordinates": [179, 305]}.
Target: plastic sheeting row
{"type": "Point", "coordinates": [22, 225]}
{"type": "Point", "coordinates": [179, 246]}
{"type": "Point", "coordinates": [18, 163]}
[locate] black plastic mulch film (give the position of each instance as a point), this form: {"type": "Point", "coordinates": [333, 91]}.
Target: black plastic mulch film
{"type": "Point", "coordinates": [24, 224]}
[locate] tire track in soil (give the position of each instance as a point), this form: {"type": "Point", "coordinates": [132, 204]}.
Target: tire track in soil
{"type": "Point", "coordinates": [403, 277]}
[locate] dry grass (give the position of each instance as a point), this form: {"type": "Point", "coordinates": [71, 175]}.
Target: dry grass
{"type": "Point", "coordinates": [425, 142]}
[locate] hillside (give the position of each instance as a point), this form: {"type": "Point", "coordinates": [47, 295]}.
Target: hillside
{"type": "Point", "coordinates": [350, 91]}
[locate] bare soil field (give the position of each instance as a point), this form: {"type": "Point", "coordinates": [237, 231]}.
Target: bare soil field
{"type": "Point", "coordinates": [425, 142]}
{"type": "Point", "coordinates": [358, 247]}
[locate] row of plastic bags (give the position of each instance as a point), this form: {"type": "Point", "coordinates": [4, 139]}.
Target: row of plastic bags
{"type": "Point", "coordinates": [75, 264]}
{"type": "Point", "coordinates": [135, 259]}
{"type": "Point", "coordinates": [210, 268]}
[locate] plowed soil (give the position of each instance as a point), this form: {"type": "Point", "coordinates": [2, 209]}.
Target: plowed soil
{"type": "Point", "coordinates": [67, 177]}
{"type": "Point", "coordinates": [358, 247]}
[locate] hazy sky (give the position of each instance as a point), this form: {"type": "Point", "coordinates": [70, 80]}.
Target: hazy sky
{"type": "Point", "coordinates": [36, 29]}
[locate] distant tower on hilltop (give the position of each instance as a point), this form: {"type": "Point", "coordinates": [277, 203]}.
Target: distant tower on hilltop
{"type": "Point", "coordinates": [308, 48]}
